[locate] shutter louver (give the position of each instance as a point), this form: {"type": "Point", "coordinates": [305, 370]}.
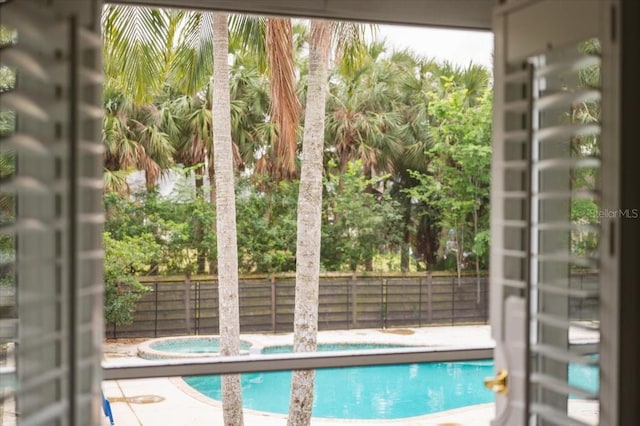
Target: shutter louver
{"type": "Point", "coordinates": [546, 230]}
{"type": "Point", "coordinates": [52, 307]}
{"type": "Point", "coordinates": [564, 228]}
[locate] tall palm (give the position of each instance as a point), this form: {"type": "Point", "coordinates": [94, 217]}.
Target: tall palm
{"type": "Point", "coordinates": [226, 220]}
{"type": "Point", "coordinates": [309, 220]}
{"type": "Point", "coordinates": [310, 206]}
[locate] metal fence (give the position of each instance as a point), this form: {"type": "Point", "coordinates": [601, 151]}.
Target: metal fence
{"type": "Point", "coordinates": [178, 307]}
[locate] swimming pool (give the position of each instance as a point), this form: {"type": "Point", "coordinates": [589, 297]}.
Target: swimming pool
{"type": "Point", "coordinates": [184, 347]}
{"type": "Point", "coordinates": [378, 392]}
{"type": "Point", "coordinates": [388, 392]}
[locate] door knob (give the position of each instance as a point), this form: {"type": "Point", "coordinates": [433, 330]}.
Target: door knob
{"type": "Point", "coordinates": [498, 383]}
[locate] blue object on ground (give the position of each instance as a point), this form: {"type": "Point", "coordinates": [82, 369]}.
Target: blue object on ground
{"type": "Point", "coordinates": [106, 407]}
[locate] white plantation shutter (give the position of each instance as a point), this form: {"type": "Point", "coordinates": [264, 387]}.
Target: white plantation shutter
{"type": "Point", "coordinates": [547, 165]}
{"type": "Point", "coordinates": [558, 156]}
{"type": "Point", "coordinates": [56, 188]}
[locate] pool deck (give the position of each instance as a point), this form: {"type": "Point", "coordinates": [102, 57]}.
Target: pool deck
{"type": "Point", "coordinates": [176, 404]}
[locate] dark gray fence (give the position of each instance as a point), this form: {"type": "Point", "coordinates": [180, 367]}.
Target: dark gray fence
{"type": "Point", "coordinates": [346, 302]}
{"type": "Point", "coordinates": [266, 305]}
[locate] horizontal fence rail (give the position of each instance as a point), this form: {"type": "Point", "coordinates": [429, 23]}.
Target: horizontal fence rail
{"type": "Point", "coordinates": [178, 306]}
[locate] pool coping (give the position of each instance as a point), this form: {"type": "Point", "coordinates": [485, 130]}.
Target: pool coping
{"type": "Point", "coordinates": [151, 354]}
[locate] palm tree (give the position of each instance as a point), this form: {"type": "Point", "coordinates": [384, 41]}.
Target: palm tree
{"type": "Point", "coordinates": [360, 124]}
{"type": "Point", "coordinates": [134, 139]}
{"type": "Point", "coordinates": [146, 50]}
{"type": "Point", "coordinates": [309, 220]}
{"type": "Point", "coordinates": [226, 220]}
{"type": "Point", "coordinates": [164, 60]}
{"type": "Point", "coordinates": [152, 57]}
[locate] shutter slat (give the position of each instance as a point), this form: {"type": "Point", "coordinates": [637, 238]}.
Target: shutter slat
{"type": "Point", "coordinates": [513, 223]}
{"type": "Point", "coordinates": [576, 194]}
{"type": "Point", "coordinates": [513, 253]}
{"type": "Point", "coordinates": [566, 163]}
{"type": "Point", "coordinates": [565, 98]}
{"type": "Point", "coordinates": [519, 135]}
{"type": "Point", "coordinates": [513, 283]}
{"type": "Point", "coordinates": [564, 226]}
{"type": "Point", "coordinates": [555, 416]}
{"type": "Point", "coordinates": [576, 293]}
{"type": "Point", "coordinates": [563, 322]}
{"type": "Point", "coordinates": [518, 195]}
{"type": "Point", "coordinates": [562, 257]}
{"type": "Point", "coordinates": [562, 355]}
{"type": "Point", "coordinates": [568, 65]}
{"type": "Point", "coordinates": [16, 57]}
{"type": "Point", "coordinates": [25, 105]}
{"type": "Point", "coordinates": [24, 144]}
{"type": "Point", "coordinates": [518, 106]}
{"type": "Point", "coordinates": [548, 134]}
{"type": "Point", "coordinates": [47, 415]}
{"type": "Point", "coordinates": [515, 165]}
{"type": "Point", "coordinates": [561, 386]}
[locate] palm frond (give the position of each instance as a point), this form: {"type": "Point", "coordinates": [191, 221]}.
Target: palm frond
{"type": "Point", "coordinates": [193, 63]}
{"type": "Point", "coordinates": [285, 107]}
{"type": "Point", "coordinates": [135, 40]}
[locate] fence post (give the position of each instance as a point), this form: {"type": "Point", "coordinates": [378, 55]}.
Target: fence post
{"type": "Point", "coordinates": [581, 299]}
{"type": "Point", "coordinates": [155, 316]}
{"type": "Point", "coordinates": [383, 304]}
{"type": "Point", "coordinates": [354, 302]}
{"type": "Point", "coordinates": [273, 303]}
{"type": "Point", "coordinates": [197, 309]}
{"type": "Point", "coordinates": [429, 297]}
{"type": "Point", "coordinates": [486, 300]}
{"type": "Point", "coordinates": [347, 304]}
{"type": "Point", "coordinates": [420, 302]}
{"type": "Point", "coordinates": [187, 303]}
{"type": "Point", "coordinates": [453, 301]}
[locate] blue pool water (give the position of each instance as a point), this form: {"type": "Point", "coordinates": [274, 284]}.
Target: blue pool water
{"type": "Point", "coordinates": [380, 392]}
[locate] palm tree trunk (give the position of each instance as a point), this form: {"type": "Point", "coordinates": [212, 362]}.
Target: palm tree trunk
{"type": "Point", "coordinates": [309, 220]}
{"type": "Point", "coordinates": [226, 221]}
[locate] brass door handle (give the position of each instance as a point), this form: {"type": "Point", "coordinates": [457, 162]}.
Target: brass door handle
{"type": "Point", "coordinates": [498, 383]}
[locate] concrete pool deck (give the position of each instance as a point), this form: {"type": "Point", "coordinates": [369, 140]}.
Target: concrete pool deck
{"type": "Point", "coordinates": [169, 401]}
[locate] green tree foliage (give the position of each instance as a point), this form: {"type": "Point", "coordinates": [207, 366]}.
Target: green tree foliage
{"type": "Point", "coordinates": [459, 173]}
{"type": "Point", "coordinates": [174, 222]}
{"type": "Point", "coordinates": [357, 223]}
{"type": "Point", "coordinates": [267, 226]}
{"type": "Point", "coordinates": [125, 260]}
